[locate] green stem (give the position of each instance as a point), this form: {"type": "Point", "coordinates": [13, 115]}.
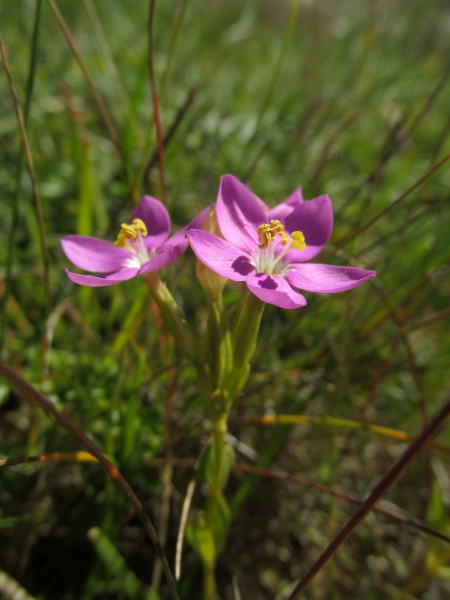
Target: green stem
{"type": "Point", "coordinates": [219, 345]}
{"type": "Point", "coordinates": [229, 366]}
{"type": "Point", "coordinates": [215, 488]}
{"type": "Point", "coordinates": [244, 341]}
{"type": "Point", "coordinates": [209, 582]}
{"type": "Point", "coordinates": [219, 431]}
{"type": "Point", "coordinates": [179, 328]}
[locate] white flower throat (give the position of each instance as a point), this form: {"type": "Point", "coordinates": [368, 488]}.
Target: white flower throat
{"type": "Point", "coordinates": [130, 238]}
{"type": "Point", "coordinates": [267, 260]}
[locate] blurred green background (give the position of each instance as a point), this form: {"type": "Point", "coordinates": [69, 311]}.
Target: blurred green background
{"type": "Point", "coordinates": [348, 99]}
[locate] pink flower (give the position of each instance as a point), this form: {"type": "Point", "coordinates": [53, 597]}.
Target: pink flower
{"type": "Point", "coordinates": [141, 246]}
{"type": "Point", "coordinates": [268, 248]}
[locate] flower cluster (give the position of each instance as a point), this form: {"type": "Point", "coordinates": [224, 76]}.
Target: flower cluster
{"type": "Point", "coordinates": [267, 248]}
{"type": "Point", "coordinates": [238, 239]}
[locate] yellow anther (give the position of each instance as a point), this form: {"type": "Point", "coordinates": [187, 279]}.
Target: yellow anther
{"type": "Point", "coordinates": [265, 235]}
{"type": "Point", "coordinates": [130, 232]}
{"type": "Point", "coordinates": [277, 226]}
{"type": "Point", "coordinates": [298, 240]}
{"type": "Point", "coordinates": [139, 225]}
{"type": "Point", "coordinates": [285, 239]}
{"type": "Point", "coordinates": [121, 241]}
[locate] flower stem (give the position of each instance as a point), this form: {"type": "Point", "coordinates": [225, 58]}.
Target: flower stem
{"type": "Point", "coordinates": [219, 345]}
{"type": "Point", "coordinates": [209, 582]}
{"type": "Point", "coordinates": [179, 328]}
{"type": "Point", "coordinates": [219, 431]}
{"type": "Point", "coordinates": [214, 516]}
{"type": "Point", "coordinates": [244, 341]}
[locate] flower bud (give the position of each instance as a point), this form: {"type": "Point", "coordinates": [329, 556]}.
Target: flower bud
{"type": "Point", "coordinates": [210, 281]}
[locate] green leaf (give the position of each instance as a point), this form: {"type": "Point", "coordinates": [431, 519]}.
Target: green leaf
{"type": "Point", "coordinates": [201, 539]}
{"type": "Point", "coordinates": [228, 458]}
{"type": "Point", "coordinates": [208, 466]}
{"type": "Point", "coordinates": [206, 463]}
{"type": "Point", "coordinates": [219, 515]}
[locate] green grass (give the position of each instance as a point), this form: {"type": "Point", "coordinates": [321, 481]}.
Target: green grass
{"type": "Point", "coordinates": [350, 100]}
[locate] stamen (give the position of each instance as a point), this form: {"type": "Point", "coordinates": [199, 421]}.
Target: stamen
{"type": "Point", "coordinates": [130, 233]}
{"type": "Point", "coordinates": [266, 234]}
{"type": "Point", "coordinates": [266, 261]}
{"type": "Point", "coordinates": [277, 225]}
{"type": "Point", "coordinates": [298, 240]}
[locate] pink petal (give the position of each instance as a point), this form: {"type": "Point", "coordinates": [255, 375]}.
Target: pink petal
{"type": "Point", "coordinates": [281, 211]}
{"type": "Point", "coordinates": [196, 223]}
{"type": "Point", "coordinates": [274, 290]}
{"type": "Point", "coordinates": [164, 257]}
{"type": "Point", "coordinates": [326, 279]}
{"type": "Point", "coordinates": [239, 213]}
{"type": "Point", "coordinates": [94, 254]}
{"type": "Point", "coordinates": [220, 256]}
{"type": "Point", "coordinates": [156, 218]}
{"type": "Point", "coordinates": [110, 279]}
{"type": "Point", "coordinates": [315, 219]}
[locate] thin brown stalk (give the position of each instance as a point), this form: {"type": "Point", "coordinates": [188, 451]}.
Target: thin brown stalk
{"type": "Point", "coordinates": [341, 495]}
{"type": "Point", "coordinates": [181, 436]}
{"type": "Point", "coordinates": [378, 491]}
{"type": "Point", "coordinates": [97, 99]}
{"type": "Point", "coordinates": [403, 332]}
{"type": "Point", "coordinates": [31, 173]}
{"type": "Point", "coordinates": [429, 101]}
{"type": "Point", "coordinates": [82, 456]}
{"type": "Point", "coordinates": [388, 208]}
{"type": "Point", "coordinates": [399, 135]}
{"type": "Point", "coordinates": [402, 133]}
{"type": "Point", "coordinates": [445, 130]}
{"type": "Point", "coordinates": [442, 314]}
{"type": "Point", "coordinates": [155, 101]}
{"type": "Point", "coordinates": [172, 130]}
{"type": "Point", "coordinates": [329, 147]}
{"type": "Point", "coordinates": [164, 515]}
{"type": "Point", "coordinates": [380, 241]}
{"type": "Point", "coordinates": [283, 476]}
{"type": "Point", "coordinates": [28, 391]}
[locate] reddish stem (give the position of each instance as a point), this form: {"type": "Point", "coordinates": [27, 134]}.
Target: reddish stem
{"type": "Point", "coordinates": [379, 490]}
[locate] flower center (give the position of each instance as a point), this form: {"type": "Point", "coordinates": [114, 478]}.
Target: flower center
{"type": "Point", "coordinates": [130, 238]}
{"type": "Point", "coordinates": [269, 258]}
